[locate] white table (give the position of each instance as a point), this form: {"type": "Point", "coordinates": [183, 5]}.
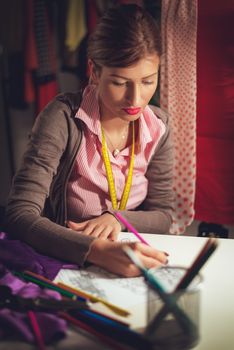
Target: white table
{"type": "Point", "coordinates": [217, 306]}
{"type": "Point", "coordinates": [217, 297]}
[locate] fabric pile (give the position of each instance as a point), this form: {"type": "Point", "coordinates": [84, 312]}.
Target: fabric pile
{"type": "Point", "coordinates": [15, 325]}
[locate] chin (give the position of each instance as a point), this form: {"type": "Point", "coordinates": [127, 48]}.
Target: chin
{"type": "Point", "coordinates": [131, 118]}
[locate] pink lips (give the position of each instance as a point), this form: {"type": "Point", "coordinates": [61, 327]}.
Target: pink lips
{"type": "Point", "coordinates": [132, 111]}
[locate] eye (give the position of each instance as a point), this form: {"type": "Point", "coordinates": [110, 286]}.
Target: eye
{"type": "Point", "coordinates": [117, 83]}
{"type": "Point", "coordinates": [148, 82]}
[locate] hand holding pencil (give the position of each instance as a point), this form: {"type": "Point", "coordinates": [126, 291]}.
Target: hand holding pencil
{"type": "Point", "coordinates": [110, 256]}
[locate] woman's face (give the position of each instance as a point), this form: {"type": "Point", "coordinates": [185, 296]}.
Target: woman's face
{"type": "Point", "coordinates": [124, 92]}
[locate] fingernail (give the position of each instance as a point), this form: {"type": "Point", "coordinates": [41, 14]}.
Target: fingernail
{"type": "Point", "coordinates": [166, 253]}
{"type": "Point", "coordinates": [167, 261]}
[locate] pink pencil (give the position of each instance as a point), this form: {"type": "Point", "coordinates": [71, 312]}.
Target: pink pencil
{"type": "Point", "coordinates": [130, 227]}
{"type": "Point", "coordinates": [36, 330]}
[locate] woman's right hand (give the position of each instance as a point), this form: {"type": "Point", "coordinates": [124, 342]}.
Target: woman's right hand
{"type": "Point", "coordinates": [110, 256]}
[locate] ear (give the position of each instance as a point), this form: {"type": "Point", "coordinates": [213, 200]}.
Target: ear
{"type": "Point", "coordinates": [93, 74]}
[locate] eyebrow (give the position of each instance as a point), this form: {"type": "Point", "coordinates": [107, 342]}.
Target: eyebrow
{"type": "Point", "coordinates": [120, 76]}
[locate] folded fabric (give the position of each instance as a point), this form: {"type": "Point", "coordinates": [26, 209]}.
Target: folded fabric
{"type": "Point", "coordinates": [16, 326]}
{"type": "Point", "coordinates": [16, 255]}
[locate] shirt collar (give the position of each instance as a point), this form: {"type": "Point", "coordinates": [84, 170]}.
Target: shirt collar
{"type": "Point", "coordinates": [89, 109]}
{"type": "Point", "coordinates": [89, 113]}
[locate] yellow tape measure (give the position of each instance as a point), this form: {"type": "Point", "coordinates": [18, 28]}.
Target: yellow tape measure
{"type": "Point", "coordinates": [110, 177]}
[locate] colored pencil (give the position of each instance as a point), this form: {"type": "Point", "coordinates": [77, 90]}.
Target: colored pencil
{"type": "Point", "coordinates": [43, 282]}
{"type": "Point", "coordinates": [207, 250]}
{"type": "Point", "coordinates": [198, 263]}
{"type": "Point", "coordinates": [130, 228]}
{"type": "Point", "coordinates": [118, 310]}
{"type": "Point", "coordinates": [66, 291]}
{"type": "Point", "coordinates": [101, 323]}
{"type": "Point", "coordinates": [36, 330]}
{"type": "Point", "coordinates": [102, 337]}
{"type": "Point", "coordinates": [70, 292]}
{"type": "Point", "coordinates": [106, 326]}
{"type": "Point", "coordinates": [185, 322]}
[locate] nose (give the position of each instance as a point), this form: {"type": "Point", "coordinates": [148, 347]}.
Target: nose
{"type": "Point", "coordinates": [133, 95]}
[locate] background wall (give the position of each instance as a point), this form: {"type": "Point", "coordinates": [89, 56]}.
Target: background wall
{"type": "Point", "coordinates": [68, 73]}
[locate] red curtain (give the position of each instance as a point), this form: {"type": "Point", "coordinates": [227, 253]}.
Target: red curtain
{"type": "Point", "coordinates": [215, 112]}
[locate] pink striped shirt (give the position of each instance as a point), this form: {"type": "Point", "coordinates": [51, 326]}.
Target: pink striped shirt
{"type": "Point", "coordinates": [87, 192]}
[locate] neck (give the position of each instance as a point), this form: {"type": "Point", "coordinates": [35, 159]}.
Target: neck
{"type": "Point", "coordinates": [114, 125]}
{"type": "Point", "coordinates": [116, 138]}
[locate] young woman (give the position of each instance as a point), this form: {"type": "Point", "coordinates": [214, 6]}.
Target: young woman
{"type": "Point", "coordinates": [94, 153]}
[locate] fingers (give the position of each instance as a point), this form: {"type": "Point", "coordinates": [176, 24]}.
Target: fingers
{"type": "Point", "coordinates": [110, 256]}
{"type": "Point", "coordinates": [150, 257]}
{"type": "Point", "coordinates": [76, 226]}
{"type": "Point", "coordinates": [114, 235]}
{"type": "Point", "coordinates": [129, 270]}
{"type": "Point", "coordinates": [150, 262]}
{"type": "Point", "coordinates": [150, 252]}
{"type": "Point", "coordinates": [101, 231]}
{"type": "Point", "coordinates": [97, 228]}
{"type": "Point", "coordinates": [103, 251]}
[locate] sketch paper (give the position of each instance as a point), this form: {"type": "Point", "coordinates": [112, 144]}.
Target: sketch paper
{"type": "Point", "coordinates": [121, 291]}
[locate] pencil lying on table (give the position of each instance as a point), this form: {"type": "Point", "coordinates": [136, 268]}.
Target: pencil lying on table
{"type": "Point", "coordinates": [118, 310]}
{"type": "Point", "coordinates": [105, 338]}
{"type": "Point", "coordinates": [36, 330]}
{"type": "Point", "coordinates": [100, 323]}
{"type": "Point", "coordinates": [43, 282]}
{"type": "Point", "coordinates": [68, 291]}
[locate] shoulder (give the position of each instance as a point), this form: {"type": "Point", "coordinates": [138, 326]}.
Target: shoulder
{"type": "Point", "coordinates": [58, 111]}
{"type": "Point", "coordinates": [164, 119]}
{"type": "Point", "coordinates": [71, 100]}
{"type": "Point", "coordinates": [67, 102]}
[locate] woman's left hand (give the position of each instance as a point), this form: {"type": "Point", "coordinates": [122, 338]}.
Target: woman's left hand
{"type": "Point", "coordinates": [104, 226]}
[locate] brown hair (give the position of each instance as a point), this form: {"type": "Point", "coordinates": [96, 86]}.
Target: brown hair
{"type": "Point", "coordinates": [125, 34]}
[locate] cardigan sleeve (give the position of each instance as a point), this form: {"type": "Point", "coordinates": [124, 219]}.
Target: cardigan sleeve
{"type": "Point", "coordinates": [31, 186]}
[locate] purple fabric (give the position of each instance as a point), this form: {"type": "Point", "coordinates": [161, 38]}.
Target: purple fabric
{"type": "Point", "coordinates": [16, 255]}
{"type": "Point", "coordinates": [16, 325]}
{"type": "Point", "coordinates": [13, 325]}
{"type": "Point", "coordinates": [26, 289]}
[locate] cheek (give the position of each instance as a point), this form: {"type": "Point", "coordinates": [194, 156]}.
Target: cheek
{"type": "Point", "coordinates": [148, 93]}
{"type": "Point", "coordinates": [104, 95]}
{"type": "Point", "coordinates": [113, 95]}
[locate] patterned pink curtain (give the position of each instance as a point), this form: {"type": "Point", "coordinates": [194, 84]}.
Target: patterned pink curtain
{"type": "Point", "coordinates": [178, 97]}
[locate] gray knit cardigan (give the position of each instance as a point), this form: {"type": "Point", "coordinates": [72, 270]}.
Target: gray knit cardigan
{"type": "Point", "coordinates": [36, 211]}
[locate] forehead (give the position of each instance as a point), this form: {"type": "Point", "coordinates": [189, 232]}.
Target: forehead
{"type": "Point", "coordinates": [143, 68]}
